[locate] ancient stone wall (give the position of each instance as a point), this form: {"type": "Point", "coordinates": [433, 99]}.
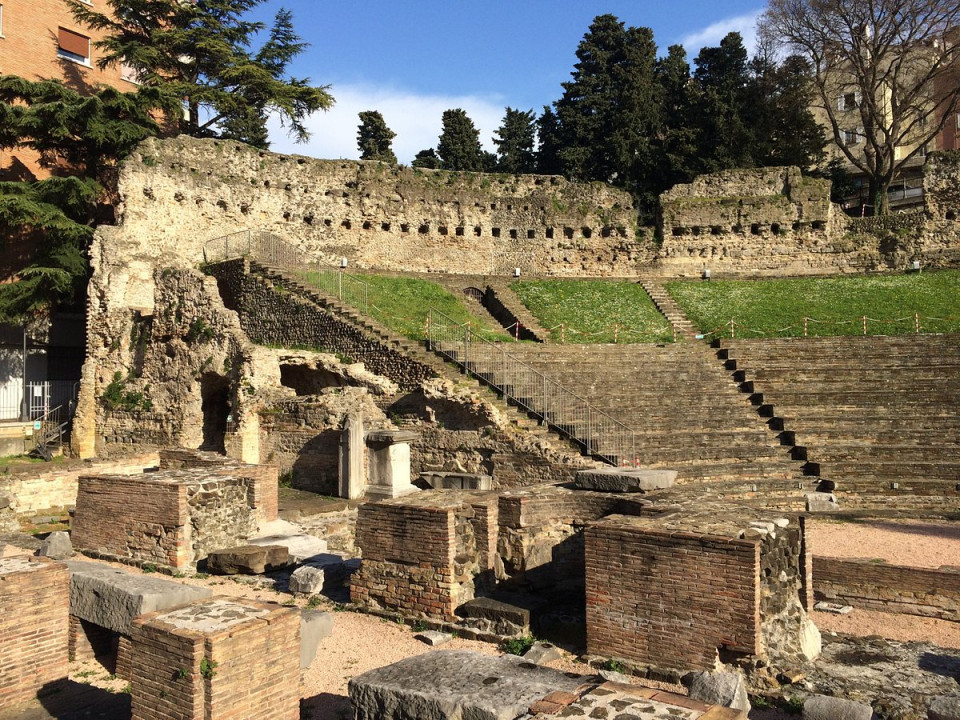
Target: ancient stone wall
{"type": "Point", "coordinates": [40, 489]}
{"type": "Point", "coordinates": [182, 192]}
{"type": "Point", "coordinates": [866, 584]}
{"type": "Point", "coordinates": [271, 315]}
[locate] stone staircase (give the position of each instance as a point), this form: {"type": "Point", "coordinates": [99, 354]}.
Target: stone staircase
{"type": "Point", "coordinates": [669, 308]}
{"type": "Point", "coordinates": [414, 350]}
{"type": "Point", "coordinates": [875, 416]}
{"type": "Point", "coordinates": [682, 409]}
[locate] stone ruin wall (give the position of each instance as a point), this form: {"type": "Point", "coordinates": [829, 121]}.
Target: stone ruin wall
{"type": "Point", "coordinates": [180, 193]}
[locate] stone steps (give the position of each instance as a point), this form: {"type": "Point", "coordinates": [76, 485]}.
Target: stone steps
{"type": "Point", "coordinates": [669, 308]}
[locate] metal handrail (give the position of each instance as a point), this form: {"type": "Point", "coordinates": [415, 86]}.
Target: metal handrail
{"type": "Point", "coordinates": [49, 426]}
{"type": "Point", "coordinates": [271, 249]}
{"type": "Point", "coordinates": [599, 434]}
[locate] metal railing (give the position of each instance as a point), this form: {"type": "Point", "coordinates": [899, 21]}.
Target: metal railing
{"type": "Point", "coordinates": [48, 432]}
{"type": "Point", "coordinates": [597, 433]}
{"type": "Point", "coordinates": [271, 249]}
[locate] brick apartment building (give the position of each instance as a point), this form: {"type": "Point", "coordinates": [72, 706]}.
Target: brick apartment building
{"type": "Point", "coordinates": [39, 39]}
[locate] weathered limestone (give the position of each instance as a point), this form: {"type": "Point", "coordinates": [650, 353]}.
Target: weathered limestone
{"type": "Point", "coordinates": [306, 580]}
{"type": "Point", "coordinates": [353, 476]}
{"type": "Point", "coordinates": [34, 620]}
{"type": "Point", "coordinates": [823, 707]}
{"type": "Point", "coordinates": [455, 684]}
{"type": "Point", "coordinates": [247, 560]}
{"type": "Point", "coordinates": [457, 481]}
{"type": "Point", "coordinates": [112, 598]}
{"type": "Point", "coordinates": [944, 707]}
{"type": "Point", "coordinates": [56, 546]}
{"type": "Point", "coordinates": [433, 638]}
{"type": "Point", "coordinates": [301, 548]}
{"type": "Point", "coordinates": [389, 463]}
{"type": "Point", "coordinates": [728, 689]}
{"type": "Point", "coordinates": [618, 480]}
{"type": "Point", "coordinates": [224, 657]}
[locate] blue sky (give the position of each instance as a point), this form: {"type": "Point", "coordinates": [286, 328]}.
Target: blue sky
{"type": "Point", "coordinates": [413, 60]}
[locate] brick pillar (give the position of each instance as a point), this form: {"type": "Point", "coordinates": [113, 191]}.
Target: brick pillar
{"type": "Point", "coordinates": [217, 658]}
{"type": "Point", "coordinates": [34, 626]}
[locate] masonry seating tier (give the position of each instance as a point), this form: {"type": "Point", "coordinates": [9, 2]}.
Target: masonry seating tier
{"type": "Point", "coordinates": [871, 413]}
{"type": "Point", "coordinates": [686, 411]}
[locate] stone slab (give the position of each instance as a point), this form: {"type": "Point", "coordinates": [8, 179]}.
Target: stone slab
{"type": "Point", "coordinates": [315, 625]}
{"type": "Point", "coordinates": [56, 546]}
{"type": "Point", "coordinates": [823, 707]}
{"type": "Point", "coordinates": [301, 548]}
{"type": "Point", "coordinates": [457, 481]}
{"type": "Point", "coordinates": [306, 580]}
{"type": "Point", "coordinates": [944, 707]}
{"type": "Point", "coordinates": [433, 638]}
{"type": "Point", "coordinates": [247, 560]}
{"type": "Point", "coordinates": [822, 502]}
{"type": "Point", "coordinates": [112, 598]}
{"type": "Point", "coordinates": [391, 436]}
{"type": "Point", "coordinates": [625, 481]}
{"type": "Point", "coordinates": [490, 609]}
{"type": "Point", "coordinates": [454, 684]}
{"type": "Point", "coordinates": [728, 689]}
{"type": "Point", "coordinates": [542, 652]}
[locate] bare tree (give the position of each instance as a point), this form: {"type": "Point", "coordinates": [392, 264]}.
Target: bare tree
{"type": "Point", "coordinates": [887, 73]}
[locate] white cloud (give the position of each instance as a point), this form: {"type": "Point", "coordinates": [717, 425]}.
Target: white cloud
{"type": "Point", "coordinates": [416, 119]}
{"type": "Point", "coordinates": [711, 35]}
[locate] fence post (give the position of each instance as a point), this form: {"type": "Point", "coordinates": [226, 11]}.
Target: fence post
{"type": "Point", "coordinates": [805, 327]}
{"type": "Point", "coordinates": [674, 331]}
{"type": "Point", "coordinates": [864, 324]}
{"type": "Point", "coordinates": [616, 333]}
{"type": "Point", "coordinates": [732, 333]}
{"type": "Point", "coordinates": [916, 322]}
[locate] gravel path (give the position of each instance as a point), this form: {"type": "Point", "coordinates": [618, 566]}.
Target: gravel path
{"type": "Point", "coordinates": [900, 542]}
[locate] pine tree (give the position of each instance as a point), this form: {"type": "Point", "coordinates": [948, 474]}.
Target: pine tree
{"type": "Point", "coordinates": [515, 139]}
{"type": "Point", "coordinates": [200, 51]}
{"type": "Point", "coordinates": [374, 138]}
{"type": "Point", "coordinates": [426, 159]}
{"type": "Point", "coordinates": [548, 150]}
{"type": "Point", "coordinates": [459, 144]}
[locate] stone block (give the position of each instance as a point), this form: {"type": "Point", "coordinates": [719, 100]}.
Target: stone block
{"type": "Point", "coordinates": [542, 652]}
{"type": "Point", "coordinates": [457, 481]}
{"type": "Point", "coordinates": [112, 598]}
{"type": "Point", "coordinates": [490, 609]}
{"type": "Point", "coordinates": [306, 580]}
{"type": "Point", "coordinates": [315, 625]}
{"type": "Point", "coordinates": [433, 638]}
{"type": "Point", "coordinates": [455, 684]}
{"type": "Point", "coordinates": [728, 689]}
{"type": "Point", "coordinates": [56, 546]}
{"type": "Point", "coordinates": [944, 707]}
{"type": "Point", "coordinates": [823, 707]}
{"type": "Point", "coordinates": [301, 548]}
{"type": "Point", "coordinates": [822, 502]}
{"type": "Point", "coordinates": [247, 560]}
{"type": "Point", "coordinates": [625, 481]}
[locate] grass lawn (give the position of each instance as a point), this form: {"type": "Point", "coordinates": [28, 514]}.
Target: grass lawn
{"type": "Point", "coordinates": [402, 304]}
{"type": "Point", "coordinates": [834, 306]}
{"type": "Point", "coordinates": [591, 310]}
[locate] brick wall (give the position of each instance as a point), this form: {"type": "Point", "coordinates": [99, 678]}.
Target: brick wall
{"type": "Point", "coordinates": [274, 316]}
{"type": "Point", "coordinates": [889, 588]}
{"type": "Point", "coordinates": [250, 669]}
{"type": "Point", "coordinates": [171, 518]}
{"type": "Point", "coordinates": [669, 599]}
{"type": "Point", "coordinates": [34, 612]}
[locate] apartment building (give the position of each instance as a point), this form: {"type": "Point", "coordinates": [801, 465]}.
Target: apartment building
{"type": "Point", "coordinates": [39, 39]}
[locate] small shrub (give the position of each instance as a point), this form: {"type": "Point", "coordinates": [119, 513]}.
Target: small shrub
{"type": "Point", "coordinates": [419, 626]}
{"type": "Point", "coordinates": [182, 673]}
{"type": "Point", "coordinates": [315, 601]}
{"type": "Point", "coordinates": [200, 332]}
{"type": "Point", "coordinates": [208, 668]}
{"type": "Point", "coordinates": [615, 666]}
{"type": "Point", "coordinates": [517, 645]}
{"type": "Point", "coordinates": [148, 568]}
{"type": "Point", "coordinates": [793, 705]}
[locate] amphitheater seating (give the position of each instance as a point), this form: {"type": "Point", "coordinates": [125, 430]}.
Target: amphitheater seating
{"type": "Point", "coordinates": [686, 411]}
{"type": "Point", "coordinates": [876, 415]}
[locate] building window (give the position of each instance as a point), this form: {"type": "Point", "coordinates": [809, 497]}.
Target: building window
{"type": "Point", "coordinates": [131, 75]}
{"type": "Point", "coordinates": [850, 137]}
{"type": "Point", "coordinates": [849, 100]}
{"type": "Point", "coordinates": [73, 46]}
{"type": "Point", "coordinates": [1, 21]}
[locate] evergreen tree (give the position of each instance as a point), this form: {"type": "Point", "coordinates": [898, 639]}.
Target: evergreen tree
{"type": "Point", "coordinates": [724, 139]}
{"type": "Point", "coordinates": [548, 150]}
{"type": "Point", "coordinates": [426, 159]}
{"type": "Point", "coordinates": [515, 139]}
{"type": "Point", "coordinates": [609, 114]}
{"type": "Point", "coordinates": [459, 144]}
{"type": "Point", "coordinates": [200, 51]}
{"type": "Point", "coordinates": [85, 135]}
{"type": "Point", "coordinates": [677, 147]}
{"type": "Point", "coordinates": [374, 138]}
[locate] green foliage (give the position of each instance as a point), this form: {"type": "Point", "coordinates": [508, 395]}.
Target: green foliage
{"type": "Point", "coordinates": [202, 51]}
{"type": "Point", "coordinates": [590, 310]}
{"type": "Point", "coordinates": [615, 666]}
{"type": "Point", "coordinates": [836, 305]}
{"type": "Point", "coordinates": [374, 138]}
{"type": "Point", "coordinates": [426, 159]}
{"type": "Point", "coordinates": [793, 705]}
{"type": "Point", "coordinates": [116, 397]}
{"type": "Point", "coordinates": [459, 144]}
{"type": "Point", "coordinates": [208, 668]}
{"type": "Point", "coordinates": [517, 645]}
{"type": "Point", "coordinates": [515, 139]}
{"type": "Point", "coordinates": [419, 626]}
{"type": "Point", "coordinates": [200, 332]}
{"type": "Point", "coordinates": [148, 568]}
{"type": "Point", "coordinates": [315, 601]}
{"type": "Point", "coordinates": [182, 673]}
